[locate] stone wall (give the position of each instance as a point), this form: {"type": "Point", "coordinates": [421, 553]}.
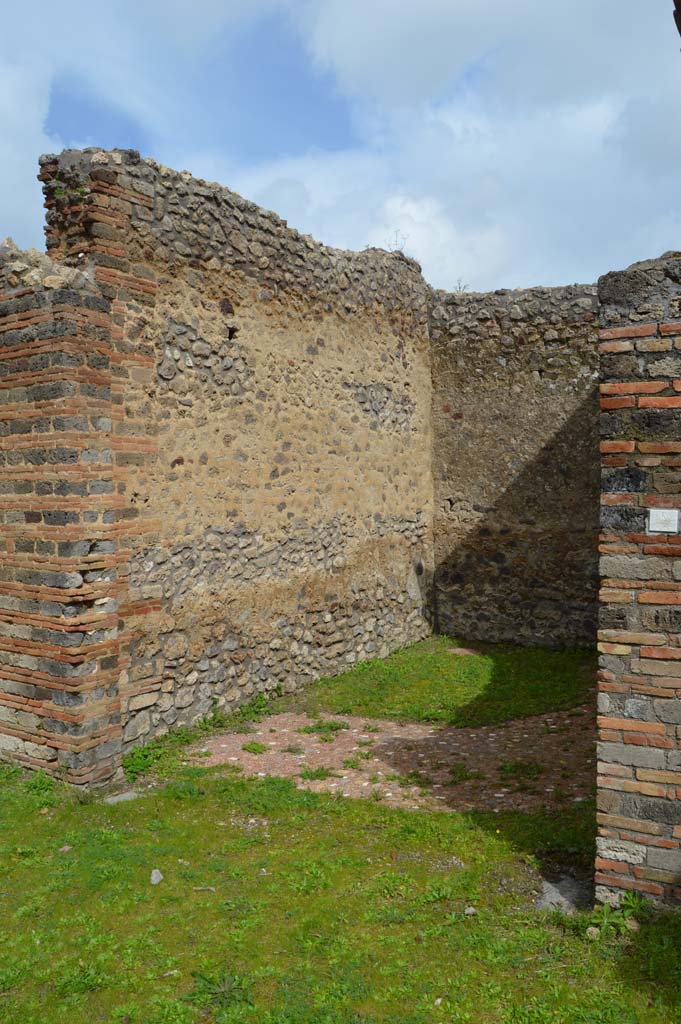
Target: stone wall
{"type": "Point", "coordinates": [639, 769]}
{"type": "Point", "coordinates": [270, 441]}
{"type": "Point", "coordinates": [515, 465]}
{"type": "Point", "coordinates": [218, 440]}
{"type": "Point", "coordinates": [58, 637]}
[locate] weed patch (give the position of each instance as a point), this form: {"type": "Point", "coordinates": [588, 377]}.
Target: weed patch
{"type": "Point", "coordinates": [317, 774]}
{"type": "Point", "coordinates": [325, 730]}
{"type": "Point", "coordinates": [254, 747]}
{"type": "Point", "coordinates": [520, 771]}
{"type": "Point", "coordinates": [458, 772]}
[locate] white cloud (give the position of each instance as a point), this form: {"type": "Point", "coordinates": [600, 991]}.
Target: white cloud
{"type": "Point", "coordinates": [21, 137]}
{"type": "Point", "coordinates": [398, 51]}
{"type": "Point", "coordinates": [495, 202]}
{"type": "Point", "coordinates": [513, 143]}
{"type": "Point", "coordinates": [510, 144]}
{"type": "Point", "coordinates": [126, 55]}
{"type": "Point", "coordinates": [422, 226]}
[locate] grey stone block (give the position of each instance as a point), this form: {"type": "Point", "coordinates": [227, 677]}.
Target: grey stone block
{"type": "Point", "coordinates": [624, 753]}
{"type": "Point", "coordinates": [667, 860]}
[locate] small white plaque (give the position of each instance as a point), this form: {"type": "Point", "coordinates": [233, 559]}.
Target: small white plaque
{"type": "Point", "coordinates": [663, 520]}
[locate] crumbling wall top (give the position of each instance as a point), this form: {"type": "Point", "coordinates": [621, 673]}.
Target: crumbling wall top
{"type": "Point", "coordinates": [28, 268]}
{"type": "Point", "coordinates": [176, 221]}
{"type": "Point", "coordinates": [646, 291]}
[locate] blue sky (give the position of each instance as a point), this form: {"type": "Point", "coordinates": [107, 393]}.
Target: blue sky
{"type": "Point", "coordinates": [502, 145]}
{"type": "Point", "coordinates": [254, 95]}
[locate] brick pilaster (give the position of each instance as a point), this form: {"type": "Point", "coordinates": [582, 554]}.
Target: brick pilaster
{"type": "Point", "coordinates": [639, 767]}
{"type": "Point", "coordinates": [89, 207]}
{"type": "Point", "coordinates": [59, 704]}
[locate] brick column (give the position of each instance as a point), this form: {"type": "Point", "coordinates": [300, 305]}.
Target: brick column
{"type": "Point", "coordinates": [90, 199]}
{"type": "Point", "coordinates": [639, 768]}
{"type": "Point", "coordinates": [72, 353]}
{"type": "Point", "coordinates": [59, 705]}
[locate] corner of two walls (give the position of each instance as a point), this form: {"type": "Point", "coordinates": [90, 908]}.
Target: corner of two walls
{"type": "Point", "coordinates": [515, 465]}
{"type": "Point", "coordinates": [220, 473]}
{"type": "Point", "coordinates": [270, 439]}
{"type": "Point", "coordinates": [246, 498]}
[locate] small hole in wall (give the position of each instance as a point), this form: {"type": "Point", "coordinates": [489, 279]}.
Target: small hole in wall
{"type": "Point", "coordinates": [420, 568]}
{"type": "Point", "coordinates": [232, 333]}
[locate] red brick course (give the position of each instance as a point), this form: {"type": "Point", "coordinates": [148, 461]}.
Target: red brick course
{"type": "Point", "coordinates": [59, 707]}
{"type": "Point", "coordinates": [66, 452]}
{"type": "Point", "coordinates": [639, 771]}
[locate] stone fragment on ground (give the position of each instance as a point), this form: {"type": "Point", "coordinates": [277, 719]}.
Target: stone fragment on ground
{"type": "Point", "coordinates": [565, 893]}
{"type": "Point", "coordinates": [121, 798]}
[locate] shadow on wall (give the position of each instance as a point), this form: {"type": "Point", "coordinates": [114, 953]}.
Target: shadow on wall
{"type": "Point", "coordinates": [525, 570]}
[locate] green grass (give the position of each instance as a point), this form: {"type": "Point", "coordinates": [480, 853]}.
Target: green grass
{"type": "Point", "coordinates": [415, 778]}
{"type": "Point", "coordinates": [164, 756]}
{"type": "Point", "coordinates": [325, 730]}
{"type": "Point", "coordinates": [426, 683]}
{"type": "Point", "coordinates": [326, 911]}
{"type": "Point", "coordinates": [459, 772]}
{"type": "Point", "coordinates": [281, 906]}
{"type": "Point", "coordinates": [520, 771]}
{"type": "Point", "coordinates": [318, 774]}
{"type": "Point", "coordinates": [253, 747]}
{"type": "Point", "coordinates": [423, 683]}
